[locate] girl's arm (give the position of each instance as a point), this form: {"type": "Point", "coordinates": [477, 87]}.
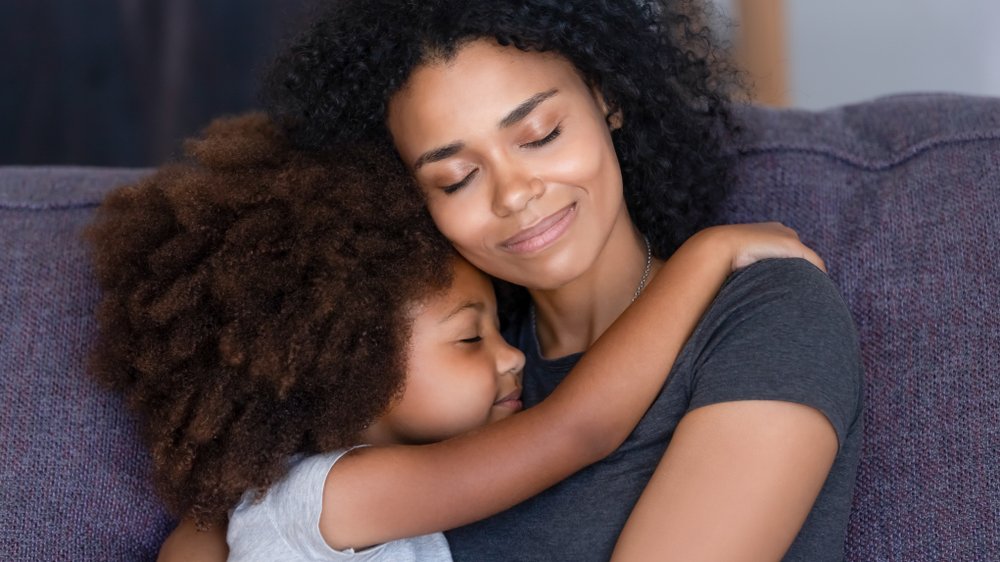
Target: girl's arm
{"type": "Point", "coordinates": [377, 494]}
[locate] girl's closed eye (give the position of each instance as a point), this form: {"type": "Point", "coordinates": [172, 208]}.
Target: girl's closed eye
{"type": "Point", "coordinates": [474, 339]}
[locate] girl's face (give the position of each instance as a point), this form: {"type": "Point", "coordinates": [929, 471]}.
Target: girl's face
{"type": "Point", "coordinates": [461, 374]}
{"type": "Point", "coordinates": [514, 153]}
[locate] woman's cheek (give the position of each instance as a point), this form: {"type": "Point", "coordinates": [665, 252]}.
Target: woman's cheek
{"type": "Point", "coordinates": [455, 221]}
{"type": "Point", "coordinates": [578, 162]}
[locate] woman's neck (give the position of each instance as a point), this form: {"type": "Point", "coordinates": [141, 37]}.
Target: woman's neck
{"type": "Point", "coordinates": [571, 318]}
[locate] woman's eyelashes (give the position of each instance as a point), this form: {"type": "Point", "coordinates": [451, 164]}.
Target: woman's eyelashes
{"type": "Point", "coordinates": [474, 339]}
{"type": "Point", "coordinates": [449, 189]}
{"type": "Point", "coordinates": [545, 140]}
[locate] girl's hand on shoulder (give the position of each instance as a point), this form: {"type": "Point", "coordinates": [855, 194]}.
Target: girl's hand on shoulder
{"type": "Point", "coordinates": [745, 244]}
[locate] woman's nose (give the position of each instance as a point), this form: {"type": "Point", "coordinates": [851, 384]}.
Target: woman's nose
{"type": "Point", "coordinates": [513, 189]}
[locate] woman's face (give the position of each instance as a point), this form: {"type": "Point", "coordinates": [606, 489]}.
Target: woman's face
{"type": "Point", "coordinates": [514, 153]}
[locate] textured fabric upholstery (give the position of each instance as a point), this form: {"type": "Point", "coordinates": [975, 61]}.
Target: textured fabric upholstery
{"type": "Point", "coordinates": [74, 477]}
{"type": "Point", "coordinates": [901, 196]}
{"type": "Point", "coordinates": [902, 199]}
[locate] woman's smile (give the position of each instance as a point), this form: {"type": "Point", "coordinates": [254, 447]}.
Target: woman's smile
{"type": "Point", "coordinates": [542, 234]}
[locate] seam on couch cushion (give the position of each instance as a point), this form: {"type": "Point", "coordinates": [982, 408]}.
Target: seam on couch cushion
{"type": "Point", "coordinates": [61, 188]}
{"type": "Point", "coordinates": [898, 158]}
{"type": "Point", "coordinates": [47, 207]}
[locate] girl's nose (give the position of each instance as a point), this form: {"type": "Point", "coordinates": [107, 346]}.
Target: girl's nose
{"type": "Point", "coordinates": [510, 360]}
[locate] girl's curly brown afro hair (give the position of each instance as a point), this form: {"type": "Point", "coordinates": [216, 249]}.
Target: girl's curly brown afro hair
{"type": "Point", "coordinates": [254, 305]}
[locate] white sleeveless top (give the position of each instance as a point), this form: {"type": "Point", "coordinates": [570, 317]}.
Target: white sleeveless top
{"type": "Point", "coordinates": [284, 525]}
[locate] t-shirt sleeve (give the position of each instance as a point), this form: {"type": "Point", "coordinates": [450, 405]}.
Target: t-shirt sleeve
{"type": "Point", "coordinates": [779, 330]}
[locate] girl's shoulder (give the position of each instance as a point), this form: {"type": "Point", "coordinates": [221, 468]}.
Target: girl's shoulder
{"type": "Point", "coordinates": [283, 523]}
{"type": "Point", "coordinates": [291, 498]}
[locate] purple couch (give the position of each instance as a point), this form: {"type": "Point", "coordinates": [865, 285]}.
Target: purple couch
{"type": "Point", "coordinates": [901, 196]}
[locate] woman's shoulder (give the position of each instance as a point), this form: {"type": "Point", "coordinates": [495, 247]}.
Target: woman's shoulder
{"type": "Point", "coordinates": [789, 276]}
{"type": "Point", "coordinates": [789, 291]}
{"type": "Point", "coordinates": [787, 302]}
{"type": "Point", "coordinates": [779, 329]}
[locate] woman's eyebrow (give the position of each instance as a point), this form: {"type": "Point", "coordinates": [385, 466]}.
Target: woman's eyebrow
{"type": "Point", "coordinates": [518, 113]}
{"type": "Point", "coordinates": [438, 154]}
{"type": "Point", "coordinates": [529, 105]}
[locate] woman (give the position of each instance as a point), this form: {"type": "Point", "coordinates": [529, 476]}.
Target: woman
{"type": "Point", "coordinates": [566, 147]}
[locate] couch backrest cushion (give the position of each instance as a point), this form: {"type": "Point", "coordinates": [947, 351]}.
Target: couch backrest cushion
{"type": "Point", "coordinates": [901, 197]}
{"type": "Point", "coordinates": [74, 480]}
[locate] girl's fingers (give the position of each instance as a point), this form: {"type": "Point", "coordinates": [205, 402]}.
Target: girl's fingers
{"type": "Point", "coordinates": [814, 259]}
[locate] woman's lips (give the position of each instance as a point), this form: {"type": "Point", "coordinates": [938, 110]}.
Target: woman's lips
{"type": "Point", "coordinates": [543, 233]}
{"type": "Point", "coordinates": [512, 401]}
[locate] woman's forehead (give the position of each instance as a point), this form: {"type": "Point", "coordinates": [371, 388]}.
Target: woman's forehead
{"type": "Point", "coordinates": [479, 86]}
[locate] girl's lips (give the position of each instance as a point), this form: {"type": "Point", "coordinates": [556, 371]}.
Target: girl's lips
{"type": "Point", "coordinates": [512, 401]}
{"type": "Point", "coordinates": [543, 233]}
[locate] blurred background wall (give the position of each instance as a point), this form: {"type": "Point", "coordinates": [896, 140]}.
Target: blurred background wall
{"type": "Point", "coordinates": [818, 53]}
{"type": "Point", "coordinates": [121, 82]}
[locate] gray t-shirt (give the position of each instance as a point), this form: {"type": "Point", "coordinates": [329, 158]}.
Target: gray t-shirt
{"type": "Point", "coordinates": [778, 330]}
{"type": "Point", "coordinates": [284, 524]}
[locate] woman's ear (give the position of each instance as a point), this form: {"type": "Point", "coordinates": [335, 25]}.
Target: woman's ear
{"type": "Point", "coordinates": [613, 117]}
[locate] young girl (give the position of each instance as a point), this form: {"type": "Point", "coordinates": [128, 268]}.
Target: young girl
{"type": "Point", "coordinates": [319, 358]}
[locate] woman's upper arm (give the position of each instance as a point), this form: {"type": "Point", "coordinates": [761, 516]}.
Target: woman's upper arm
{"type": "Point", "coordinates": [187, 544]}
{"type": "Point", "coordinates": [774, 397]}
{"type": "Point", "coordinates": [736, 483]}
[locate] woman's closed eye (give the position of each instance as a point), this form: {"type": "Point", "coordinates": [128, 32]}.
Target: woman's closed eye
{"type": "Point", "coordinates": [545, 140]}
{"type": "Point", "coordinates": [449, 189]}
{"type": "Point", "coordinates": [474, 339]}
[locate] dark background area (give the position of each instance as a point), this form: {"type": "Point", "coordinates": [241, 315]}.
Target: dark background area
{"type": "Point", "coordinates": [122, 82]}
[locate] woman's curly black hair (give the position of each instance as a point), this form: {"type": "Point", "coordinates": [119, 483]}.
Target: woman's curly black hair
{"type": "Point", "coordinates": [654, 60]}
{"type": "Point", "coordinates": [254, 305]}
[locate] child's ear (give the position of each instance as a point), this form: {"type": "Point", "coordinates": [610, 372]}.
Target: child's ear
{"type": "Point", "coordinates": [613, 117]}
